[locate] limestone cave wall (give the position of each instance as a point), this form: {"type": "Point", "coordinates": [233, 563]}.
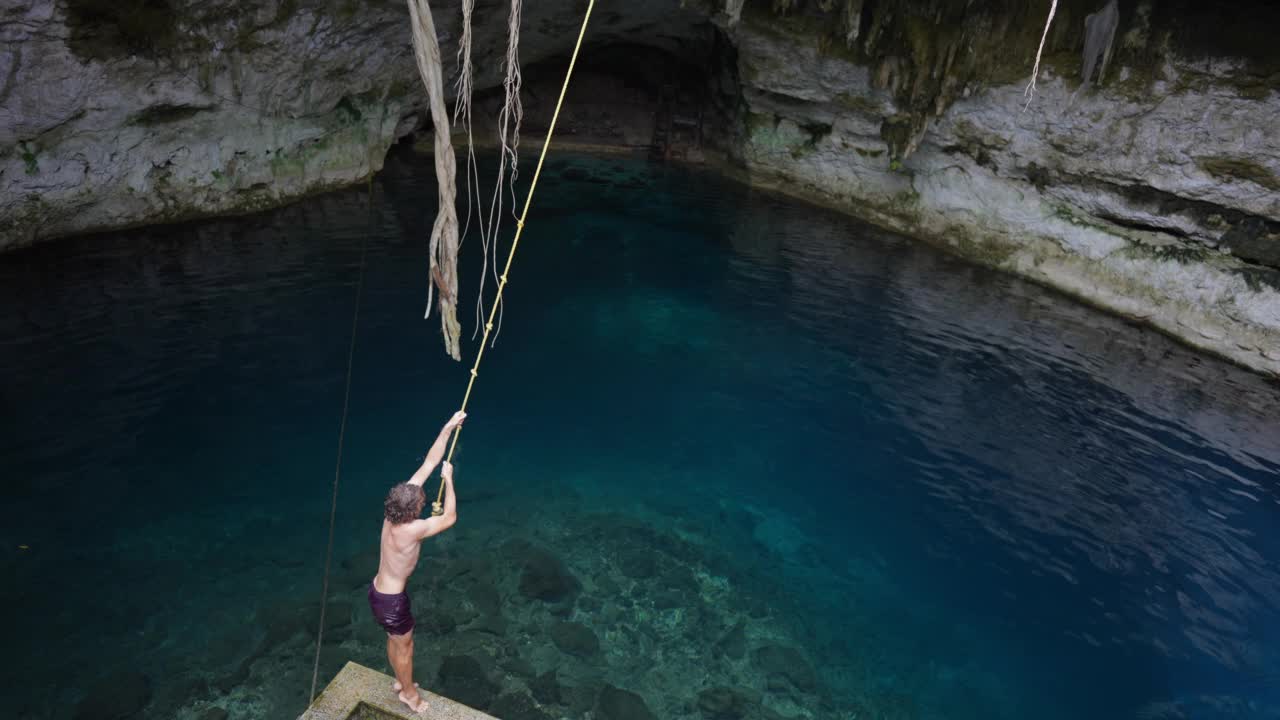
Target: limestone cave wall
{"type": "Point", "coordinates": [1153, 191]}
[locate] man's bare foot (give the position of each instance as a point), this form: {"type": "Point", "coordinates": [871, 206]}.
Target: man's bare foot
{"type": "Point", "coordinates": [419, 703]}
{"type": "Point", "coordinates": [397, 687]}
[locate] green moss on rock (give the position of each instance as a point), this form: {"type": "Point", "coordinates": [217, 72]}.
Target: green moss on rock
{"type": "Point", "coordinates": [1235, 168]}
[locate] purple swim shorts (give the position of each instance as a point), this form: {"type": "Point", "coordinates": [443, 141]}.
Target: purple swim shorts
{"type": "Point", "coordinates": [391, 611]}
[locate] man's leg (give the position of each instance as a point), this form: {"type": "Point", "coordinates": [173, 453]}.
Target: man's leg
{"type": "Point", "coordinates": [400, 653]}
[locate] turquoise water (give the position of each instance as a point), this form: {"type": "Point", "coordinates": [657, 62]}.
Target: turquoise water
{"type": "Point", "coordinates": [795, 467]}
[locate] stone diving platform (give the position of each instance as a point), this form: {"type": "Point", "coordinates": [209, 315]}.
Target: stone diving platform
{"type": "Point", "coordinates": [358, 693]}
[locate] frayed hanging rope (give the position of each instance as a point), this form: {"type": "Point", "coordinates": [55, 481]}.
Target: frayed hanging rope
{"type": "Point", "coordinates": [444, 233]}
{"type": "Point", "coordinates": [1030, 92]}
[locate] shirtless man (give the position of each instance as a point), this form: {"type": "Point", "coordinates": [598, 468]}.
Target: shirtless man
{"type": "Point", "coordinates": [402, 534]}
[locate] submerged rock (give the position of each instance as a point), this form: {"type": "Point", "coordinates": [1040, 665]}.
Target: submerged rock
{"type": "Point", "coordinates": [546, 688]}
{"type": "Point", "coordinates": [492, 625]}
{"type": "Point", "coordinates": [485, 597]}
{"type": "Point", "coordinates": [463, 678]}
{"type": "Point", "coordinates": [637, 563]}
{"type": "Point", "coordinates": [518, 706]}
{"type": "Point", "coordinates": [668, 598]}
{"type": "Point", "coordinates": [617, 704]}
{"type": "Point", "coordinates": [123, 694]}
{"type": "Point", "coordinates": [575, 639]}
{"type": "Point", "coordinates": [519, 667]}
{"type": "Point", "coordinates": [779, 661]}
{"type": "Point", "coordinates": [435, 622]}
{"type": "Point", "coordinates": [680, 579]}
{"type": "Point", "coordinates": [734, 643]}
{"type": "Point", "coordinates": [723, 703]}
{"type": "Point", "coordinates": [546, 578]}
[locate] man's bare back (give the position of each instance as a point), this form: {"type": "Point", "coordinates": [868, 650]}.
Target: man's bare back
{"type": "Point", "coordinates": [402, 535]}
{"type": "Point", "coordinates": [401, 545]}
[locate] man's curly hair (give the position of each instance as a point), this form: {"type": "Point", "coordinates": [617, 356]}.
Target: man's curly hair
{"type": "Point", "coordinates": [403, 503]}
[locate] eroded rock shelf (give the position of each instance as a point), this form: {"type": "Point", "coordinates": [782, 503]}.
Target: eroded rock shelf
{"type": "Point", "coordinates": [1153, 192]}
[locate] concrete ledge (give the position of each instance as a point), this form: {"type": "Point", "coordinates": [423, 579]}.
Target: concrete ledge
{"type": "Point", "coordinates": [358, 693]}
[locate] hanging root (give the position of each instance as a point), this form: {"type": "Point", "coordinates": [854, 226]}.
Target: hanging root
{"type": "Point", "coordinates": [444, 233]}
{"type": "Point", "coordinates": [462, 91]}
{"type": "Point", "coordinates": [462, 87]}
{"type": "Point", "coordinates": [509, 136]}
{"type": "Point", "coordinates": [1030, 92]}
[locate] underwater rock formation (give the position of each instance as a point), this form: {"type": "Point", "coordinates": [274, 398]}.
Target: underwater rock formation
{"type": "Point", "coordinates": [618, 704]}
{"type": "Point", "coordinates": [463, 678]}
{"type": "Point", "coordinates": [788, 663]}
{"type": "Point", "coordinates": [545, 577]}
{"type": "Point", "coordinates": [575, 639]}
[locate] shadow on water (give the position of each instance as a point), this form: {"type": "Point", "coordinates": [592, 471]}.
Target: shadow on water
{"type": "Point", "coordinates": [736, 455]}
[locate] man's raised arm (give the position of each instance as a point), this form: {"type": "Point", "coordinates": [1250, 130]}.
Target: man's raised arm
{"type": "Point", "coordinates": [436, 453]}
{"type": "Point", "coordinates": [437, 524]}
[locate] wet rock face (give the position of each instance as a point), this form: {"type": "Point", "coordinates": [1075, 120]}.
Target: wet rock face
{"type": "Point", "coordinates": [118, 114]}
{"type": "Point", "coordinates": [115, 118]}
{"type": "Point", "coordinates": [1151, 192]}
{"type": "Point", "coordinates": [1155, 192]}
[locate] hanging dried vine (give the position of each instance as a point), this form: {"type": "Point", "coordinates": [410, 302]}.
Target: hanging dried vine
{"type": "Point", "coordinates": [509, 120]}
{"type": "Point", "coordinates": [1031, 86]}
{"type": "Point", "coordinates": [444, 233]}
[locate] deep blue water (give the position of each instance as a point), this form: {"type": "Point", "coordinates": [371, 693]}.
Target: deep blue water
{"type": "Point", "coordinates": [955, 494]}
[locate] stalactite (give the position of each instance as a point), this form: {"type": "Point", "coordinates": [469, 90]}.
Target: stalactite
{"type": "Point", "coordinates": [852, 21]}
{"type": "Point", "coordinates": [444, 233]}
{"type": "Point", "coordinates": [733, 8]}
{"type": "Point", "coordinates": [1099, 38]}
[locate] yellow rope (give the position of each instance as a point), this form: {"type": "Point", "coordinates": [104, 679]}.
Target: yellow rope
{"type": "Point", "coordinates": [436, 507]}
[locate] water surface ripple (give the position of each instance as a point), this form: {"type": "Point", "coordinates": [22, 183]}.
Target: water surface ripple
{"type": "Point", "coordinates": [954, 494]}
